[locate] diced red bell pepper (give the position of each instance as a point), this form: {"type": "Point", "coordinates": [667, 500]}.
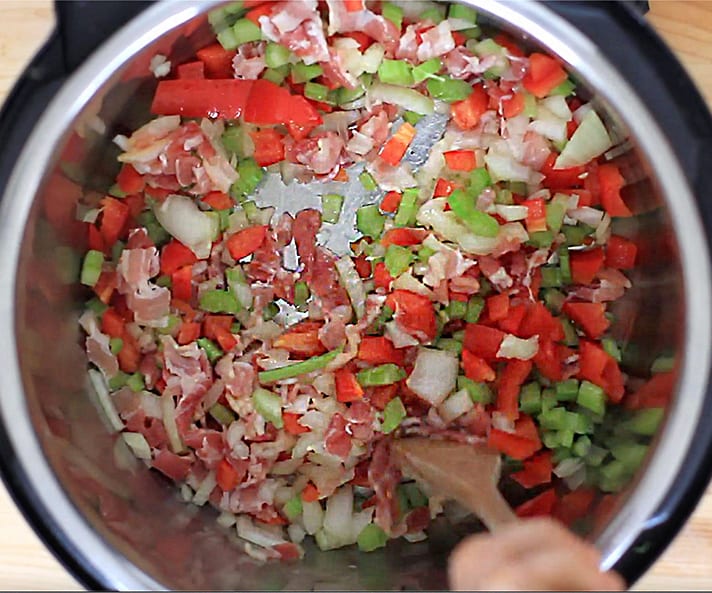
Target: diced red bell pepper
{"type": "Point", "coordinates": [348, 389]}
{"type": "Point", "coordinates": [189, 332]}
{"type": "Point", "coordinates": [574, 505]}
{"type": "Point", "coordinates": [353, 5]}
{"type": "Point", "coordinates": [539, 321]}
{"type": "Point", "coordinates": [381, 276]}
{"type": "Point", "coordinates": [364, 41]}
{"type": "Point", "coordinates": [379, 396]}
{"type": "Point", "coordinates": [556, 179]}
{"type": "Point", "coordinates": [291, 423]}
{"type": "Point", "coordinates": [270, 104]}
{"type": "Point", "coordinates": [414, 312]}
{"type": "Point", "coordinates": [262, 10]}
{"type": "Point", "coordinates": [217, 200]}
{"type": "Point", "coordinates": [363, 266]}
{"type": "Point", "coordinates": [460, 160]}
{"type": "Point", "coordinates": [391, 201]}
{"type": "Point", "coordinates": [129, 180]}
{"type": "Point", "coordinates": [497, 307]}
{"type": "Point", "coordinates": [114, 216]}
{"type": "Point", "coordinates": [310, 493]}
{"type": "Point", "coordinates": [394, 149]}
{"type": "Point", "coordinates": [541, 505]}
{"type": "Point", "coordinates": [536, 471]}
{"type": "Point", "coordinates": [202, 98]}
{"type": "Point", "coordinates": [191, 70]}
{"type": "Point", "coordinates": [510, 383]}
{"type": "Point", "coordinates": [105, 286]}
{"type": "Point", "coordinates": [512, 46]}
{"type": "Point", "coordinates": [246, 241]}
{"type": "Point", "coordinates": [95, 240]}
{"type": "Point", "coordinates": [302, 341]}
{"type": "Point", "coordinates": [591, 317]}
{"type": "Point", "coordinates": [467, 113]}
{"type": "Point", "coordinates": [443, 188]}
{"type": "Point", "coordinates": [476, 368]}
{"type": "Point", "coordinates": [512, 444]}
{"type": "Point", "coordinates": [654, 393]}
{"type": "Point", "coordinates": [226, 340]}
{"type": "Point", "coordinates": [379, 350]}
{"type": "Point", "coordinates": [182, 283]}
{"type": "Point", "coordinates": [610, 183]}
{"type": "Point", "coordinates": [483, 341]}
{"type": "Point", "coordinates": [400, 236]}
{"type": "Point", "coordinates": [620, 253]}
{"type": "Point", "coordinates": [543, 76]}
{"type": "Point", "coordinates": [614, 383]}
{"type": "Point", "coordinates": [513, 320]}
{"type": "Point", "coordinates": [217, 60]}
{"type": "Point", "coordinates": [513, 106]}
{"type": "Point", "coordinates": [113, 325]}
{"type": "Point", "coordinates": [269, 146]}
{"type": "Point", "coordinates": [175, 255]}
{"type": "Point", "coordinates": [212, 324]}
{"type": "Point", "coordinates": [586, 264]}
{"type": "Point", "coordinates": [548, 360]}
{"type": "Point", "coordinates": [600, 368]}
{"type": "Point", "coordinates": [227, 476]}
{"type": "Point", "coordinates": [536, 215]}
{"type": "Point", "coordinates": [136, 204]}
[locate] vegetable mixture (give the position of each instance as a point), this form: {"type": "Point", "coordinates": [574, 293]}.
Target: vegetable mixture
{"type": "Point", "coordinates": [266, 373]}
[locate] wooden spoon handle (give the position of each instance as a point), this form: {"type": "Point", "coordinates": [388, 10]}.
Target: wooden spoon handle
{"type": "Point", "coordinates": [491, 507]}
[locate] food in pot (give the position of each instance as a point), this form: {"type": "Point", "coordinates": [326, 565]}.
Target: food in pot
{"type": "Point", "coordinates": [352, 223]}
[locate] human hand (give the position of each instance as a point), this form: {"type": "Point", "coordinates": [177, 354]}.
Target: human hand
{"type": "Point", "coordinates": [538, 554]}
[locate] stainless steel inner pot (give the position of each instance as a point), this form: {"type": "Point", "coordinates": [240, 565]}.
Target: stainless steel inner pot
{"type": "Point", "coordinates": [57, 450]}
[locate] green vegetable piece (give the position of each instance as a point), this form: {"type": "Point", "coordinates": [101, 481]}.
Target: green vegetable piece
{"type": "Point", "coordinates": [116, 192]}
{"type": "Point", "coordinates": [475, 306]}
{"type": "Point", "coordinates": [118, 380]}
{"type": "Point", "coordinates": [316, 92]}
{"type": "Point", "coordinates": [541, 239]}
{"type": "Point", "coordinates": [480, 393]}
{"type": "Point", "coordinates": [434, 14]}
{"type": "Point", "coordinates": [270, 311]}
{"type": "Point", "coordinates": [554, 299]}
{"type": "Point", "coordinates": [582, 446]}
{"type": "Point", "coordinates": [223, 415]}
{"type": "Point", "coordinates": [393, 415]}
{"type": "Point", "coordinates": [558, 418]}
{"type": "Point", "coordinates": [268, 405]}
{"type": "Point", "coordinates": [567, 390]}
{"type": "Point", "coordinates": [531, 108]}
{"type": "Point", "coordinates": [235, 327]}
{"type": "Point", "coordinates": [224, 216]}
{"type": "Point", "coordinates": [135, 382]}
{"type": "Point", "coordinates": [293, 507]}
{"type": "Point", "coordinates": [584, 424]}
{"type": "Point", "coordinates": [611, 347]}
{"type": "Point", "coordinates": [489, 47]}
{"type": "Point", "coordinates": [170, 327]}
{"type": "Point", "coordinates": [95, 305]}
{"type": "Point", "coordinates": [370, 221]}
{"type": "Point", "coordinates": [550, 439]}
{"type": "Point", "coordinates": [456, 309]}
{"type": "Point", "coordinates": [570, 335]}
{"type": "Point", "coordinates": [644, 422]}
{"type": "Point", "coordinates": [550, 277]}
{"type": "Point", "coordinates": [591, 397]}
{"type": "Point", "coordinates": [555, 211]}
{"type": "Point", "coordinates": [613, 476]}
{"type": "Point", "coordinates": [566, 438]}
{"type": "Point", "coordinates": [219, 301]}
{"type": "Point", "coordinates": [565, 265]}
{"type": "Point", "coordinates": [302, 73]}
{"type": "Point", "coordinates": [480, 223]}
{"type": "Point", "coordinates": [530, 398]}
{"type": "Point", "coordinates": [233, 139]}
{"type": "Point", "coordinates": [396, 72]}
{"type": "Point", "coordinates": [449, 345]}
{"type": "Point", "coordinates": [548, 399]}
{"type": "Point", "coordinates": [393, 13]}
{"type": "Point", "coordinates": [116, 250]}
{"type": "Point", "coordinates": [415, 496]}
{"type": "Point", "coordinates": [276, 55]}
{"type": "Point", "coordinates": [663, 364]}
{"type": "Point", "coordinates": [424, 254]}
{"type": "Point", "coordinates": [371, 538]}
{"type": "Point", "coordinates": [331, 207]}
{"type": "Point", "coordinates": [301, 294]}
{"type": "Point", "coordinates": [227, 38]}
{"type": "Point", "coordinates": [427, 69]}
{"type": "Point", "coordinates": [164, 281]}
{"type": "Point", "coordinates": [479, 181]}
{"type": "Point", "coordinates": [595, 455]}
{"type": "Point", "coordinates": [367, 181]}
{"type": "Point", "coordinates": [384, 374]}
{"type": "Point", "coordinates": [448, 89]}
{"type": "Point", "coordinates": [244, 31]}
{"type": "Point", "coordinates": [91, 267]}
{"type": "Point", "coordinates": [630, 454]}
{"type": "Point", "coordinates": [407, 209]}
{"type": "Point", "coordinates": [276, 75]}
{"type": "Point", "coordinates": [398, 259]}
{"type": "Point", "coordinates": [575, 235]}
{"type": "Point", "coordinates": [303, 367]}
{"type": "Point", "coordinates": [250, 176]}
{"type": "Point", "coordinates": [463, 13]}
{"type": "Point", "coordinates": [565, 89]}
{"type": "Point", "coordinates": [212, 350]}
{"type": "Point", "coordinates": [115, 345]}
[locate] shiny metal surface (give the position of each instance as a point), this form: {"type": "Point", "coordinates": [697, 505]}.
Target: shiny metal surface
{"type": "Point", "coordinates": [127, 524]}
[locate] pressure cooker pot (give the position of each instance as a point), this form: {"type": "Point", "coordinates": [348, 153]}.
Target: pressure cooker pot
{"type": "Point", "coordinates": [117, 525]}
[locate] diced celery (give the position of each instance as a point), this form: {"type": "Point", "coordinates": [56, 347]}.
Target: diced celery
{"type": "Point", "coordinates": [398, 72]}
{"type": "Point", "coordinates": [478, 392]}
{"type": "Point", "coordinates": [550, 277]}
{"type": "Point", "coordinates": [426, 69]}
{"type": "Point", "coordinates": [611, 347]}
{"type": "Point", "coordinates": [398, 259]}
{"type": "Point", "coordinates": [228, 39]}
{"type": "Point", "coordinates": [95, 305]}
{"type": "Point", "coordinates": [644, 422]}
{"type": "Point", "coordinates": [448, 89]}
{"type": "Point", "coordinates": [222, 414]}
{"type": "Point", "coordinates": [531, 108]}
{"type": "Point", "coordinates": [173, 323]}
{"type": "Point", "coordinates": [331, 207]}
{"type": "Point", "coordinates": [582, 446]}
{"type": "Point", "coordinates": [233, 139]}
{"type": "Point", "coordinates": [474, 309]}
{"type": "Point", "coordinates": [415, 496]}
{"type": "Point", "coordinates": [276, 75]}
{"type": "Point", "coordinates": [370, 221]}
{"type": "Point", "coordinates": [433, 14]}
{"type": "Point", "coordinates": [570, 335]}
{"type": "Point", "coordinates": [541, 239]}
{"type": "Point", "coordinates": [567, 390]}
{"type": "Point", "coordinates": [561, 453]}
{"type": "Point", "coordinates": [212, 350]}
{"type": "Point", "coordinates": [630, 454]}
{"type": "Point", "coordinates": [244, 31]}
{"type": "Point", "coordinates": [371, 538]}
{"type": "Point", "coordinates": [115, 345]}
{"type": "Point", "coordinates": [489, 47]}
{"type": "Point", "coordinates": [565, 89]}
{"type": "Point", "coordinates": [555, 211]}
{"type": "Point", "coordinates": [612, 476]}
{"type": "Point", "coordinates": [592, 397]}
{"type": "Point", "coordinates": [554, 299]}
{"type": "Point", "coordinates": [270, 311]}
{"type": "Point", "coordinates": [316, 92]}
{"type": "Point", "coordinates": [575, 235]}
{"type": "Point", "coordinates": [293, 507]}
{"type": "Point", "coordinates": [663, 364]}
{"type": "Point", "coordinates": [298, 368]}
{"type": "Point", "coordinates": [412, 117]}
{"type": "Point", "coordinates": [301, 294]}
{"type": "Point", "coordinates": [480, 223]}
{"type": "Point", "coordinates": [450, 345]}
{"type": "Point", "coordinates": [530, 398]}
{"type": "Point", "coordinates": [302, 73]}
{"type": "Point", "coordinates": [558, 418]}
{"type": "Point", "coordinates": [135, 382]}
{"type": "Point", "coordinates": [425, 253]}
{"type": "Point", "coordinates": [566, 438]}
{"type": "Point", "coordinates": [595, 455]}
{"type": "Point", "coordinates": [367, 181]}
{"type": "Point", "coordinates": [118, 380]}
{"type": "Point", "coordinates": [384, 374]}
{"type": "Point", "coordinates": [393, 13]}
{"type": "Point", "coordinates": [456, 309]}
{"type": "Point", "coordinates": [565, 265]}
{"type": "Point", "coordinates": [393, 414]}
{"type": "Point", "coordinates": [462, 12]}
{"type": "Point", "coordinates": [479, 180]}
{"type": "Point", "coordinates": [219, 301]}
{"type": "Point", "coordinates": [269, 406]}
{"type": "Point", "coordinates": [91, 267]}
{"type": "Point", "coordinates": [407, 209]}
{"type": "Point", "coordinates": [250, 176]}
{"type": "Point", "coordinates": [276, 55]}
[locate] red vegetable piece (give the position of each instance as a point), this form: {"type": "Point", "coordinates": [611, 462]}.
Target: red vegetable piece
{"type": "Point", "coordinates": [262, 10]}
{"type": "Point", "coordinates": [113, 325]}
{"type": "Point", "coordinates": [175, 255]}
{"type": "Point", "coordinates": [189, 332]}
{"type": "Point", "coordinates": [353, 5]}
{"type": "Point", "coordinates": [536, 215]}
{"type": "Point", "coordinates": [543, 76]}
{"type": "Point", "coordinates": [348, 389]}
{"type": "Point", "coordinates": [548, 360]}
{"type": "Point", "coordinates": [561, 179]}
{"type": "Point", "coordinates": [414, 312]}
{"type": "Point", "coordinates": [310, 493]}
{"type": "Point", "coordinates": [302, 340]}
{"type": "Point", "coordinates": [539, 506]}
{"type": "Point", "coordinates": [610, 182]}
{"type": "Point", "coordinates": [511, 323]}
{"type": "Point", "coordinates": [467, 113]}
{"type": "Point", "coordinates": [654, 393]}
{"type": "Point", "coordinates": [246, 241]}
{"type": "Point", "coordinates": [591, 317]}
{"type": "Point", "coordinates": [202, 98]}
{"type": "Point", "coordinates": [586, 264]}
{"type": "Point", "coordinates": [291, 423]}
{"type": "Point", "coordinates": [114, 216]}
{"type": "Point", "coordinates": [182, 283]}
{"type": "Point", "coordinates": [400, 236]}
{"type": "Point", "coordinates": [483, 341]}
{"type": "Point", "coordinates": [191, 70]}
{"type": "Point", "coordinates": [517, 447]}
{"type": "Point", "coordinates": [620, 253]}
{"type": "Point", "coordinates": [217, 200]}
{"type": "Point", "coordinates": [394, 149]}
{"type": "Point", "coordinates": [364, 41]}
{"type": "Point", "coordinates": [379, 350]}
{"type": "Point", "coordinates": [536, 471]}
{"type": "Point", "coordinates": [476, 368]}
{"type": "Point", "coordinates": [510, 383]}
{"type": "Point", "coordinates": [539, 321]}
{"type": "Point", "coordinates": [226, 476]}
{"type": "Point", "coordinates": [574, 505]}
{"type": "Point", "coordinates": [217, 60]}
{"type": "Point", "coordinates": [129, 180]}
{"type": "Point", "coordinates": [381, 277]}
{"type": "Point", "coordinates": [270, 104]}
{"type": "Point", "coordinates": [443, 188]}
{"type": "Point", "coordinates": [269, 146]}
{"type": "Point", "coordinates": [513, 106]}
{"type": "Point", "coordinates": [460, 160]}
{"type": "Point", "coordinates": [391, 201]}
{"type": "Point", "coordinates": [497, 307]}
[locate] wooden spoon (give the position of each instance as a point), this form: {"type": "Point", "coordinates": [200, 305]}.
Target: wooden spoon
{"type": "Point", "coordinates": [465, 473]}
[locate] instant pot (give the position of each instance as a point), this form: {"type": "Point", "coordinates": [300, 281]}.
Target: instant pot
{"type": "Point", "coordinates": [116, 525]}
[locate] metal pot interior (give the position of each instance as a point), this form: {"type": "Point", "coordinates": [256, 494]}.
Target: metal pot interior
{"type": "Point", "coordinates": [142, 533]}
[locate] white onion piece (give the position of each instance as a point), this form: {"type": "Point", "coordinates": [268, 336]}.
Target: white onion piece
{"type": "Point", "coordinates": [511, 213]}
{"type": "Point", "coordinates": [587, 215]}
{"type": "Point", "coordinates": [590, 140]}
{"type": "Point", "coordinates": [456, 405]}
{"type": "Point", "coordinates": [247, 530]}
{"type": "Point", "coordinates": [506, 168]}
{"type": "Point", "coordinates": [434, 375]}
{"type": "Point", "coordinates": [151, 405]}
{"type": "Point", "coordinates": [338, 522]}
{"type": "Point", "coordinates": [202, 494]}
{"type": "Point", "coordinates": [372, 58]}
{"type": "Point", "coordinates": [312, 516]}
{"type": "Point", "coordinates": [399, 338]}
{"type": "Point", "coordinates": [102, 393]}
{"type": "Point", "coordinates": [138, 444]}
{"type": "Point", "coordinates": [568, 467]}
{"type": "Point", "coordinates": [558, 106]}
{"type": "Point", "coordinates": [226, 519]}
{"type": "Point", "coordinates": [353, 284]}
{"type": "Point", "coordinates": [403, 97]}
{"type": "Point", "coordinates": [581, 112]}
{"type": "Point", "coordinates": [514, 347]}
{"type": "Point", "coordinates": [180, 216]}
{"type": "Point", "coordinates": [449, 227]}
{"type": "Point", "coordinates": [406, 281]}
{"type": "Point", "coordinates": [169, 422]}
{"type": "Point", "coordinates": [296, 533]}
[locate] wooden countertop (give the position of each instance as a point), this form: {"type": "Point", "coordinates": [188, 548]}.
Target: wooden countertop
{"type": "Point", "coordinates": [25, 564]}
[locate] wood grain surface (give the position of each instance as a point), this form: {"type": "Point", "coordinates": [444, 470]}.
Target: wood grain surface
{"type": "Point", "coordinates": [687, 565]}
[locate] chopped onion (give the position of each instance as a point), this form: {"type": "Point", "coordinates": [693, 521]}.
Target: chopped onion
{"type": "Point", "coordinates": [159, 66]}
{"type": "Point", "coordinates": [581, 112]}
{"type": "Point", "coordinates": [169, 422]}
{"type": "Point", "coordinates": [296, 533]}
{"type": "Point", "coordinates": [151, 405]}
{"type": "Point", "coordinates": [558, 106]}
{"type": "Point", "coordinates": [353, 284]}
{"type": "Point", "coordinates": [549, 125]}
{"type": "Point", "coordinates": [226, 519]}
{"type": "Point", "coordinates": [587, 215]}
{"type": "Point", "coordinates": [202, 494]}
{"type": "Point", "coordinates": [372, 58]}
{"type": "Point", "coordinates": [406, 281]}
{"type": "Point", "coordinates": [514, 347]}
{"type": "Point", "coordinates": [102, 393]}
{"type": "Point", "coordinates": [434, 375]}
{"type": "Point", "coordinates": [603, 230]}
{"type": "Point", "coordinates": [590, 140]}
{"type": "Point", "coordinates": [338, 518]}
{"type": "Point", "coordinates": [456, 405]}
{"type": "Point", "coordinates": [505, 168]}
{"type": "Point", "coordinates": [247, 530]}
{"type": "Point", "coordinates": [180, 216]}
{"type": "Point", "coordinates": [138, 444]}
{"type": "Point", "coordinates": [568, 467]}
{"type": "Point", "coordinates": [511, 213]}
{"type": "Point", "coordinates": [403, 97]}
{"type": "Point", "coordinates": [502, 422]}
{"type": "Point", "coordinates": [312, 516]}
{"type": "Point", "coordinates": [399, 338]}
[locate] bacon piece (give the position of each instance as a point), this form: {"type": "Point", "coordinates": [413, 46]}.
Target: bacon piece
{"type": "Point", "coordinates": [298, 26]}
{"type": "Point", "coordinates": [336, 440]}
{"type": "Point", "coordinates": [209, 445]}
{"type": "Point", "coordinates": [249, 61]}
{"type": "Point", "coordinates": [333, 333]}
{"type": "Point", "coordinates": [239, 377]}
{"type": "Point", "coordinates": [384, 476]}
{"type": "Point", "coordinates": [359, 417]}
{"type": "Point", "coordinates": [172, 465]}
{"type": "Point", "coordinates": [436, 42]}
{"type": "Point", "coordinates": [372, 24]}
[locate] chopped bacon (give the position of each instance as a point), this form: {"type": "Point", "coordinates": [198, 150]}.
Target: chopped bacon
{"type": "Point", "coordinates": [99, 352]}
{"type": "Point", "coordinates": [336, 440]}
{"type": "Point", "coordinates": [336, 72]}
{"type": "Point", "coordinates": [209, 446]}
{"type": "Point", "coordinates": [359, 417]}
{"type": "Point", "coordinates": [372, 24]}
{"type": "Point", "coordinates": [436, 42]}
{"type": "Point", "coordinates": [298, 26]}
{"type": "Point", "coordinates": [137, 266]}
{"type": "Point", "coordinates": [333, 333]}
{"type": "Point", "coordinates": [172, 465]}
{"type": "Point", "coordinates": [249, 62]}
{"type": "Point", "coordinates": [321, 155]}
{"type": "Point", "coordinates": [239, 377]}
{"type": "Point", "coordinates": [461, 63]}
{"type": "Point", "coordinates": [384, 476]}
